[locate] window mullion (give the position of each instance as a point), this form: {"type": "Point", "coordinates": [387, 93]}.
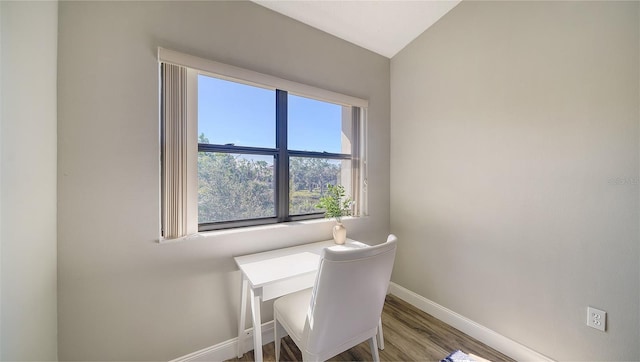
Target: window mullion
{"type": "Point", "coordinates": [282, 159]}
{"type": "Point", "coordinates": [206, 147]}
{"type": "Point", "coordinates": [337, 156]}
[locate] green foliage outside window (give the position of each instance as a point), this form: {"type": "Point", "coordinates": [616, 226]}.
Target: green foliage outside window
{"type": "Point", "coordinates": [237, 187]}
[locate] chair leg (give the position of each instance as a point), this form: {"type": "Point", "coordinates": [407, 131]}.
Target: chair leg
{"type": "Point", "coordinates": [373, 345]}
{"type": "Point", "coordinates": [380, 335]}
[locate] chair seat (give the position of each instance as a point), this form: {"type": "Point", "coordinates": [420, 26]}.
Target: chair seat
{"type": "Point", "coordinates": [294, 308]}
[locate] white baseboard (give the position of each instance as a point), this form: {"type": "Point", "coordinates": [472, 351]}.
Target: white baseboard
{"type": "Point", "coordinates": [227, 349]}
{"type": "Point", "coordinates": [485, 335]}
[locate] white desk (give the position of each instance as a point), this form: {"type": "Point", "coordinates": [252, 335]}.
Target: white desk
{"type": "Point", "coordinates": [274, 273]}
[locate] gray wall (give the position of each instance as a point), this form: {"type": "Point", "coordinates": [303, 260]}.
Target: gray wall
{"type": "Point", "coordinates": [514, 178]}
{"type": "Point", "coordinates": [123, 296]}
{"type": "Point", "coordinates": [28, 180]}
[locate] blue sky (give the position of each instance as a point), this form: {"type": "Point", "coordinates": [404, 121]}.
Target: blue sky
{"type": "Point", "coordinates": [244, 115]}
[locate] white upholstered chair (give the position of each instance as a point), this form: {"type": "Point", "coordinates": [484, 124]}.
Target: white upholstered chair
{"type": "Point", "coordinates": [344, 306]}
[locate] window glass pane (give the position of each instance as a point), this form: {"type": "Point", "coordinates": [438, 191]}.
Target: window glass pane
{"type": "Point", "coordinates": [318, 126]}
{"type": "Point", "coordinates": [308, 179]}
{"type": "Point", "coordinates": [235, 187]}
{"type": "Point", "coordinates": [235, 113]}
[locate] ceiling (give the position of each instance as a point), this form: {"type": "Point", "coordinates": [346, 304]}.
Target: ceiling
{"type": "Point", "coordinates": [382, 26]}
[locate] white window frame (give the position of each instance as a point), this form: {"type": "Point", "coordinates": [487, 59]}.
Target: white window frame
{"type": "Point", "coordinates": [196, 65]}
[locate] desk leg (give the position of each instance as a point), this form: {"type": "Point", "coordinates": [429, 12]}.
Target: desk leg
{"type": "Point", "coordinates": [380, 335]}
{"type": "Point", "coordinates": [257, 326]}
{"type": "Point", "coordinates": [242, 315]}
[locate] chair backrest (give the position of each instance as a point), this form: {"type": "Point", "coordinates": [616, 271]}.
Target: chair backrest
{"type": "Point", "coordinates": [348, 296]}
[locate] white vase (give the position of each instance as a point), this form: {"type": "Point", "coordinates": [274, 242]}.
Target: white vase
{"type": "Point", "coordinates": [339, 233]}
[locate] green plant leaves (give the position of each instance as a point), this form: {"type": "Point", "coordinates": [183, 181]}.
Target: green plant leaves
{"type": "Point", "coordinates": [336, 203]}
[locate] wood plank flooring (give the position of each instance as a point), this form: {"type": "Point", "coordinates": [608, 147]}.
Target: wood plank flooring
{"type": "Point", "coordinates": [409, 335]}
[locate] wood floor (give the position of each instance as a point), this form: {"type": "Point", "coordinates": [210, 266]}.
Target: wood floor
{"type": "Point", "coordinates": [409, 335]}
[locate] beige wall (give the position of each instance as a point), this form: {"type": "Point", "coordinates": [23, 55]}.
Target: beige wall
{"type": "Point", "coordinates": [123, 296]}
{"type": "Point", "coordinates": [28, 180]}
{"type": "Point", "coordinates": [514, 177]}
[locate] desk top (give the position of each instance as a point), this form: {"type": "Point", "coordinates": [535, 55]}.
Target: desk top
{"type": "Point", "coordinates": [280, 264]}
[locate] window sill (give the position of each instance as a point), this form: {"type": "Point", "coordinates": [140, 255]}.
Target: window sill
{"type": "Point", "coordinates": [247, 229]}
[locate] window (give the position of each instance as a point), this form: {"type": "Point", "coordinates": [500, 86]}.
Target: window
{"type": "Point", "coordinates": [264, 149]}
{"type": "Point", "coordinates": [237, 154]}
{"type": "Point", "coordinates": [266, 155]}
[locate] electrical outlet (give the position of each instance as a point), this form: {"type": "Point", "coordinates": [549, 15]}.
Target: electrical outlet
{"type": "Point", "coordinates": [596, 318]}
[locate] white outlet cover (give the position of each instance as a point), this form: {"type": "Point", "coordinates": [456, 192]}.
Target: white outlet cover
{"type": "Point", "coordinates": [596, 318]}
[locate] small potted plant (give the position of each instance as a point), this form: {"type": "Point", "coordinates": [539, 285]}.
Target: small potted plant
{"type": "Point", "coordinates": [336, 205]}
